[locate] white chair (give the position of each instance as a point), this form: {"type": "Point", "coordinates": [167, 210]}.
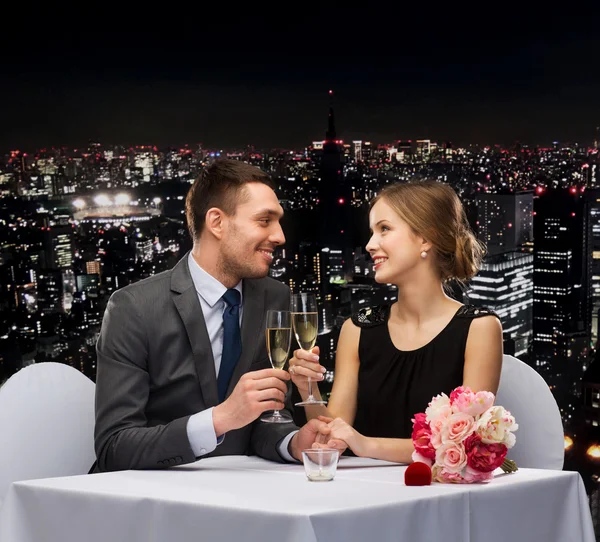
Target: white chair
{"type": "Point", "coordinates": [46, 424]}
{"type": "Point", "coordinates": [540, 437]}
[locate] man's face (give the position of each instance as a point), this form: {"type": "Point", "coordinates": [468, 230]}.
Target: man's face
{"type": "Point", "coordinates": [252, 233]}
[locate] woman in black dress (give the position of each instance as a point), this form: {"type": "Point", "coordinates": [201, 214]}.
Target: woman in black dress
{"type": "Point", "coordinates": [391, 360]}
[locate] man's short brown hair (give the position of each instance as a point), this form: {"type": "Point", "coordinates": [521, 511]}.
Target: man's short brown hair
{"type": "Point", "coordinates": [220, 185]}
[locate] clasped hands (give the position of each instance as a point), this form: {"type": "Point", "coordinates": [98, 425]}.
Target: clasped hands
{"type": "Point", "coordinates": [340, 435]}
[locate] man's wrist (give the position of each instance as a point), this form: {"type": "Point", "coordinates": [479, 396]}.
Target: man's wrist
{"type": "Point", "coordinates": [283, 447]}
{"type": "Point", "coordinates": [201, 432]}
{"type": "Point", "coordinates": [220, 420]}
{"type": "Point", "coordinates": [293, 448]}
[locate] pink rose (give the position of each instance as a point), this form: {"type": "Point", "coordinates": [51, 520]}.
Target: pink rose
{"type": "Point", "coordinates": [451, 456]}
{"type": "Point", "coordinates": [483, 457]}
{"type": "Point", "coordinates": [457, 427]}
{"type": "Point", "coordinates": [484, 400]}
{"type": "Point", "coordinates": [440, 474]}
{"type": "Point", "coordinates": [418, 458]}
{"type": "Point", "coordinates": [457, 392]}
{"type": "Point", "coordinates": [471, 476]}
{"type": "Point", "coordinates": [421, 437]}
{"type": "Point", "coordinates": [463, 401]}
{"type": "Point", "coordinates": [436, 430]}
{"type": "Point", "coordinates": [473, 404]}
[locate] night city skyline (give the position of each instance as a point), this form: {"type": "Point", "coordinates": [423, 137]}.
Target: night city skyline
{"type": "Point", "coordinates": [78, 224]}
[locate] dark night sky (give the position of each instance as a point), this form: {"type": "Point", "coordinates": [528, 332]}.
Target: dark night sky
{"type": "Point", "coordinates": [502, 76]}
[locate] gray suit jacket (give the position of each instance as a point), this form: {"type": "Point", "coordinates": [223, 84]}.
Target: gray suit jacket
{"type": "Point", "coordinates": [156, 369]}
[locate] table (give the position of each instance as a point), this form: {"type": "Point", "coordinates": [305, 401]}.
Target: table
{"type": "Point", "coordinates": [250, 499]}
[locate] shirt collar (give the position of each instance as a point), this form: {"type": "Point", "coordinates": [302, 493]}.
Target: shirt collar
{"type": "Point", "coordinates": [207, 286]}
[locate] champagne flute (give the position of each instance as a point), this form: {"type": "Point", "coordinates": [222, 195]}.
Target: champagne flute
{"type": "Point", "coordinates": [279, 340]}
{"type": "Point", "coordinates": [305, 319]}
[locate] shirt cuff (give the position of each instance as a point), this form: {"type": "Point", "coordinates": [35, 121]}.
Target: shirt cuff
{"type": "Point", "coordinates": [283, 448]}
{"type": "Point", "coordinates": [201, 433]}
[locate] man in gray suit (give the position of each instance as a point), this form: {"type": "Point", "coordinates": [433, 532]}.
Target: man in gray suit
{"type": "Point", "coordinates": [178, 377]}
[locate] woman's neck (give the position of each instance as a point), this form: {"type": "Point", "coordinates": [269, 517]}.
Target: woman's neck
{"type": "Point", "coordinates": [422, 300]}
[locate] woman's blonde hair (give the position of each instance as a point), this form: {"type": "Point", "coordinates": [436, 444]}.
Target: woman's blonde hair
{"type": "Point", "coordinates": [433, 211]}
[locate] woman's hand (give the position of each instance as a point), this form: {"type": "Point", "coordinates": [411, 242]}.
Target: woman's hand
{"type": "Point", "coordinates": [305, 365]}
{"type": "Point", "coordinates": [341, 436]}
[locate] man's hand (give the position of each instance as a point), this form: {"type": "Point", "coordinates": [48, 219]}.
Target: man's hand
{"type": "Point", "coordinates": [306, 437]}
{"type": "Point", "coordinates": [255, 393]}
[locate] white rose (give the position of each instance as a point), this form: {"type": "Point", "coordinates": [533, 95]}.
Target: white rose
{"type": "Point", "coordinates": [496, 425]}
{"type": "Point", "coordinates": [438, 407]}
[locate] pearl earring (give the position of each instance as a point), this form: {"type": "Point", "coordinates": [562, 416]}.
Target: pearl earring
{"type": "Point", "coordinates": [424, 254]}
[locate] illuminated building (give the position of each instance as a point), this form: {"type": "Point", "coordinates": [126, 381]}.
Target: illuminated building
{"type": "Point", "coordinates": [504, 284]}
{"type": "Point", "coordinates": [562, 272]}
{"type": "Point", "coordinates": [505, 221]}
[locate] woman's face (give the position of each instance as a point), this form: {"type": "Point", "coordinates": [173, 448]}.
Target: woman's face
{"type": "Point", "coordinates": [394, 246]}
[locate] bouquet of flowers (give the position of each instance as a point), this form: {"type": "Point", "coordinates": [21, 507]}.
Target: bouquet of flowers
{"type": "Point", "coordinates": [464, 438]}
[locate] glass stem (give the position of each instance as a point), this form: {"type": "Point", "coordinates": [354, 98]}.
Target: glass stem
{"type": "Point", "coordinates": [310, 395]}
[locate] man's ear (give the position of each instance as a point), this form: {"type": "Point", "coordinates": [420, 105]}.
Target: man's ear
{"type": "Point", "coordinates": [214, 221]}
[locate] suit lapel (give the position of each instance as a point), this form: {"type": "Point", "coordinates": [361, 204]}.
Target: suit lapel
{"type": "Point", "coordinates": [252, 328]}
{"type": "Point", "coordinates": [187, 304]}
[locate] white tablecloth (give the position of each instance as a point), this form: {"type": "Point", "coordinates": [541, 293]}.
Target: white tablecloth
{"type": "Point", "coordinates": [249, 499]}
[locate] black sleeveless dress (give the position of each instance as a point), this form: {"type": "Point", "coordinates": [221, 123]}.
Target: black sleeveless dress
{"type": "Point", "coordinates": [393, 385]}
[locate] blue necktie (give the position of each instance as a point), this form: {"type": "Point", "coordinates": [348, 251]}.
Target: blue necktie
{"type": "Point", "coordinates": [232, 340]}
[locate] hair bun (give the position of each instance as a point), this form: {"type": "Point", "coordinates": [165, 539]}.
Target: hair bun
{"type": "Point", "coordinates": [467, 256]}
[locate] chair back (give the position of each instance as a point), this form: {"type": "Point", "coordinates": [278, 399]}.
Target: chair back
{"type": "Point", "coordinates": [540, 437]}
{"type": "Point", "coordinates": [46, 424]}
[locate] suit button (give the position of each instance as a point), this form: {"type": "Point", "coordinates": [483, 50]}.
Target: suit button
{"type": "Point", "coordinates": [203, 451]}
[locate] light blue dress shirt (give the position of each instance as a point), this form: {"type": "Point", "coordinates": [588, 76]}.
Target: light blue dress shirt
{"type": "Point", "coordinates": [200, 428]}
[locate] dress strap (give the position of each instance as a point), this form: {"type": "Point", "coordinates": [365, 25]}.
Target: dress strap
{"type": "Point", "coordinates": [471, 311]}
{"type": "Point", "coordinates": [371, 316]}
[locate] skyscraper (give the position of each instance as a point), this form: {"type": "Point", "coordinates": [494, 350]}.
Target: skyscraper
{"type": "Point", "coordinates": [505, 285]}
{"type": "Point", "coordinates": [562, 273]}
{"type": "Point", "coordinates": [594, 198]}
{"type": "Point", "coordinates": [58, 247]}
{"type": "Point", "coordinates": [334, 196]}
{"type": "Point", "coordinates": [505, 221]}
{"type": "Point", "coordinates": [357, 150]}
{"type": "Point", "coordinates": [505, 281]}
{"type": "Point", "coordinates": [50, 291]}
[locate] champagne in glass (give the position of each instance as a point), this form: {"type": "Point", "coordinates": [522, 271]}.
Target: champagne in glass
{"type": "Point", "coordinates": [305, 319]}
{"type": "Point", "coordinates": [278, 345]}
{"type": "Point", "coordinates": [306, 327]}
{"type": "Point", "coordinates": [279, 340]}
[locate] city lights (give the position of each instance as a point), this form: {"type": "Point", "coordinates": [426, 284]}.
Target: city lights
{"type": "Point", "coordinates": [99, 218]}
{"type": "Point", "coordinates": [122, 199]}
{"type": "Point", "coordinates": [102, 200]}
{"type": "Point", "coordinates": [568, 443]}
